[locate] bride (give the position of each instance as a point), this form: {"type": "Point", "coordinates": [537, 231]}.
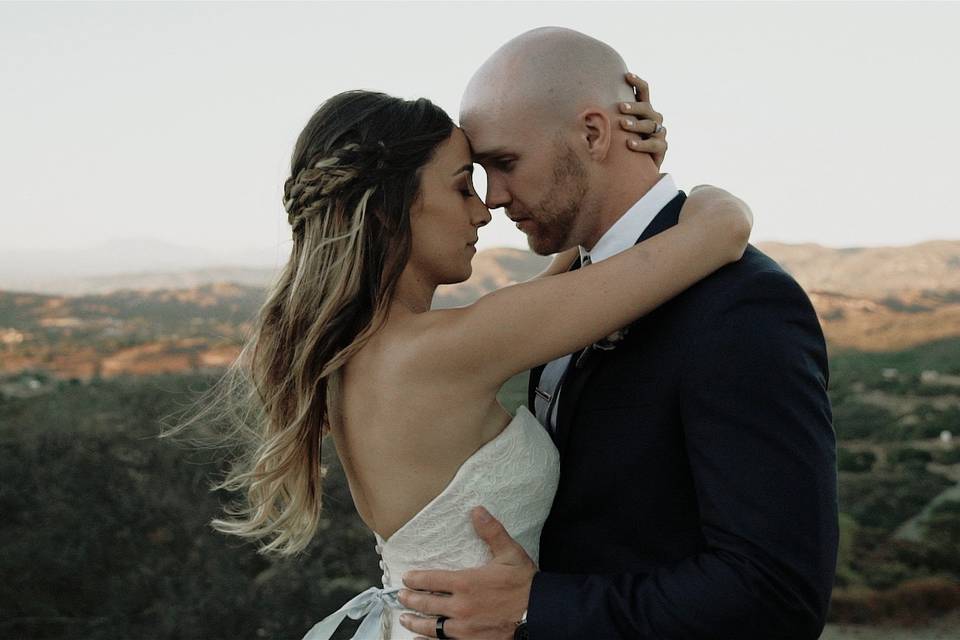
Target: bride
{"type": "Point", "coordinates": [383, 210]}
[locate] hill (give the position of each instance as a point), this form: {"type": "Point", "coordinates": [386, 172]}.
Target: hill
{"type": "Point", "coordinates": [870, 273]}
{"type": "Point", "coordinates": [874, 272]}
{"type": "Point", "coordinates": [194, 320]}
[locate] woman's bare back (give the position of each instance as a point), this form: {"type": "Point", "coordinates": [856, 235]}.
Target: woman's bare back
{"type": "Point", "coordinates": [404, 431]}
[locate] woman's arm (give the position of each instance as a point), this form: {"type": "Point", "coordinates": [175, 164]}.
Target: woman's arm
{"type": "Point", "coordinates": [515, 328]}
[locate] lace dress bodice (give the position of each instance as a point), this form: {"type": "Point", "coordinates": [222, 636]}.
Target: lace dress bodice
{"type": "Point", "coordinates": [514, 476]}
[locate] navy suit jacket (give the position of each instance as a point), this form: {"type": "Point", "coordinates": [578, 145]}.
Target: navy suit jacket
{"type": "Point", "coordinates": [698, 484]}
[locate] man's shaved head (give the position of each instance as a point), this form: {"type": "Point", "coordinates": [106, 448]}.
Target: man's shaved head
{"type": "Point", "coordinates": [552, 71]}
{"type": "Point", "coordinates": [542, 116]}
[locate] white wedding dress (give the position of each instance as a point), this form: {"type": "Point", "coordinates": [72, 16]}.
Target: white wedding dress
{"type": "Point", "coordinates": [514, 476]}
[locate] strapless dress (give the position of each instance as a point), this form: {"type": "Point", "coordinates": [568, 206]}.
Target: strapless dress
{"type": "Point", "coordinates": [514, 476]}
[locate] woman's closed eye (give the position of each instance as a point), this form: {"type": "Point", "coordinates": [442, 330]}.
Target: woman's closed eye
{"type": "Point", "coordinates": [467, 190]}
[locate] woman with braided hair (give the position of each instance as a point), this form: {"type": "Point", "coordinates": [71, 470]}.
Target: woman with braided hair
{"type": "Point", "coordinates": [383, 210]}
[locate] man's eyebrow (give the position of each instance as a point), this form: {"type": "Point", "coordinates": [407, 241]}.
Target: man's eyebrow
{"type": "Point", "coordinates": [486, 155]}
{"type": "Point", "coordinates": [467, 167]}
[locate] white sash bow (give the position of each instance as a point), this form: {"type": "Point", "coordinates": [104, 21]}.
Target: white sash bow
{"type": "Point", "coordinates": [371, 603]}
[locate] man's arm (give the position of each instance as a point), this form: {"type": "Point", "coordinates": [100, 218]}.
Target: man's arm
{"type": "Point", "coordinates": [762, 449]}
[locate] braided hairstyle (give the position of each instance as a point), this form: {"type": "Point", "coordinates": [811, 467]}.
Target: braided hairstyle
{"type": "Point", "coordinates": [313, 188]}
{"type": "Point", "coordinates": [355, 174]}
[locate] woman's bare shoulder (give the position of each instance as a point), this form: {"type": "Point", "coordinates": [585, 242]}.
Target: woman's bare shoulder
{"type": "Point", "coordinates": [412, 343]}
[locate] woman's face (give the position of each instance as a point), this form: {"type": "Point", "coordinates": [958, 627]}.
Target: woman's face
{"type": "Point", "coordinates": [445, 218]}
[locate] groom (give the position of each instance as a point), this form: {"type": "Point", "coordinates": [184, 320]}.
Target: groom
{"type": "Point", "coordinates": [698, 494]}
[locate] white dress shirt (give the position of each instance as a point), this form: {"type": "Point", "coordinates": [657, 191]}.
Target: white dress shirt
{"type": "Point", "coordinates": [622, 235]}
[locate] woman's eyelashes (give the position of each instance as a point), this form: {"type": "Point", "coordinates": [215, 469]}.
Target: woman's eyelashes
{"type": "Point", "coordinates": [466, 190]}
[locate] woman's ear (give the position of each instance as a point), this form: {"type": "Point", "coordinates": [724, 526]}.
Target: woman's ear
{"type": "Point", "coordinates": [597, 132]}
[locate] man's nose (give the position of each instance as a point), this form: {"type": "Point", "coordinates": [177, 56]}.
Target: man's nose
{"type": "Point", "coordinates": [497, 194]}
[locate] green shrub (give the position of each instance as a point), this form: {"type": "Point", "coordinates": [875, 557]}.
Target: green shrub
{"type": "Point", "coordinates": [941, 537]}
{"type": "Point", "coordinates": [106, 530]}
{"type": "Point", "coordinates": [855, 461]}
{"type": "Point", "coordinates": [914, 602]}
{"type": "Point", "coordinates": [855, 420]}
{"type": "Point", "coordinates": [908, 456]}
{"type": "Point", "coordinates": [885, 500]}
{"type": "Point", "coordinates": [947, 456]}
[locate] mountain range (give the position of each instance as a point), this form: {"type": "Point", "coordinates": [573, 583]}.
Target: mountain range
{"type": "Point", "coordinates": [149, 264]}
{"type": "Point", "coordinates": [89, 324]}
{"type": "Point", "coordinates": [868, 299]}
{"type": "Point", "coordinates": [130, 263]}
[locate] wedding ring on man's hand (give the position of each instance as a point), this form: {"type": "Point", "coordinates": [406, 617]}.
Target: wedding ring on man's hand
{"type": "Point", "coordinates": [440, 633]}
{"type": "Point", "coordinates": [657, 129]}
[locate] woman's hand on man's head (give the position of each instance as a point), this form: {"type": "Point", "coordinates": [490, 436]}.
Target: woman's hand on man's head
{"type": "Point", "coordinates": [641, 119]}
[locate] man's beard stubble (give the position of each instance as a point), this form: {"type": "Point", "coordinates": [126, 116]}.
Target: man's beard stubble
{"type": "Point", "coordinates": [556, 214]}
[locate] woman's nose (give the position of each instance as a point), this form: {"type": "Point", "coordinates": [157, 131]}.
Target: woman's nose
{"type": "Point", "coordinates": [483, 218]}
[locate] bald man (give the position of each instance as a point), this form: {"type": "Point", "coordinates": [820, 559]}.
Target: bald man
{"type": "Point", "coordinates": [698, 489]}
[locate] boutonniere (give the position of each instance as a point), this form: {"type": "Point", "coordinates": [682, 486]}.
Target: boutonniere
{"type": "Point", "coordinates": [606, 344]}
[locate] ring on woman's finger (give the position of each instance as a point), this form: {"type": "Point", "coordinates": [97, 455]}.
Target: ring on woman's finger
{"type": "Point", "coordinates": [440, 632]}
{"type": "Point", "coordinates": [657, 129]}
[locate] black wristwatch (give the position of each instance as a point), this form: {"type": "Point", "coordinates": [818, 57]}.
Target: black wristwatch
{"type": "Point", "coordinates": [521, 633]}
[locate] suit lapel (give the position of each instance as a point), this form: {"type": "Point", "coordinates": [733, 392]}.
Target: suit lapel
{"type": "Point", "coordinates": [576, 379]}
{"type": "Point", "coordinates": [573, 385]}
{"type": "Point", "coordinates": [668, 217]}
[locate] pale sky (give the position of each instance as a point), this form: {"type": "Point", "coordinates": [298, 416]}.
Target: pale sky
{"type": "Point", "coordinates": [839, 123]}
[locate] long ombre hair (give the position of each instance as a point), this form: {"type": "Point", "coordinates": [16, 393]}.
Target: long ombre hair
{"type": "Point", "coordinates": [355, 173]}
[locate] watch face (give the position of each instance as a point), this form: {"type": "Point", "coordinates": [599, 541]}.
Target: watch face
{"type": "Point", "coordinates": [521, 632]}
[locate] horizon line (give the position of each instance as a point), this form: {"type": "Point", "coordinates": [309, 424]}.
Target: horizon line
{"type": "Point", "coordinates": [265, 248]}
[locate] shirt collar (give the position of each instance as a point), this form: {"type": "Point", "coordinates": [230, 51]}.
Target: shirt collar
{"type": "Point", "coordinates": [624, 233]}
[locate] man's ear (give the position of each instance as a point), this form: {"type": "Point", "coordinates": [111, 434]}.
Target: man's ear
{"type": "Point", "coordinates": [597, 132]}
